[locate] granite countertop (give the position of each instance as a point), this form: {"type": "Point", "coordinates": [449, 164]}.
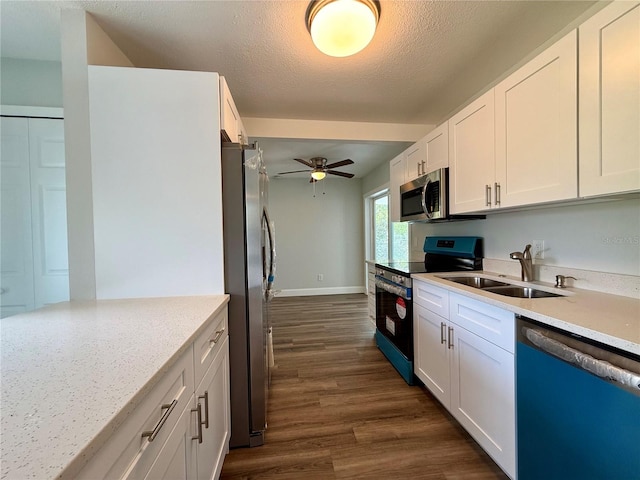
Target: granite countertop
{"type": "Point", "coordinates": [610, 319]}
{"type": "Point", "coordinates": [72, 369]}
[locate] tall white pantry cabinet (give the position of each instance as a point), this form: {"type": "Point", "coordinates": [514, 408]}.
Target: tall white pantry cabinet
{"type": "Point", "coordinates": [157, 182]}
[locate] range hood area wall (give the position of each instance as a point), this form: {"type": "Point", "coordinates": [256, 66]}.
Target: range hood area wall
{"type": "Point", "coordinates": [600, 237]}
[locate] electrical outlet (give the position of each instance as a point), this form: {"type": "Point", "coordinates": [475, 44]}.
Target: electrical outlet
{"type": "Point", "coordinates": [537, 247]}
{"type": "Point", "coordinates": [320, 277]}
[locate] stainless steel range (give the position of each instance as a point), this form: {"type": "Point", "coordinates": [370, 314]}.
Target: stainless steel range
{"type": "Point", "coordinates": [394, 302]}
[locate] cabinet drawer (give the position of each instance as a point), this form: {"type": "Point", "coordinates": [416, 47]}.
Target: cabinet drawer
{"type": "Point", "coordinates": [491, 323]}
{"type": "Point", "coordinates": [208, 343]}
{"type": "Point", "coordinates": [129, 454]}
{"type": "Point", "coordinates": [432, 298]}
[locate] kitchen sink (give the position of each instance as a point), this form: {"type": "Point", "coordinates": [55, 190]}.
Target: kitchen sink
{"type": "Point", "coordinates": [477, 282]}
{"type": "Point", "coordinates": [520, 292]}
{"type": "Point", "coordinates": [501, 288]}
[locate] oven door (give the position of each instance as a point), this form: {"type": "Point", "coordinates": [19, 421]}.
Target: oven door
{"type": "Point", "coordinates": [394, 314]}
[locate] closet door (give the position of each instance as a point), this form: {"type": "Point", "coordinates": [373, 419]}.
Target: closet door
{"type": "Point", "coordinates": [48, 211]}
{"type": "Point", "coordinates": [34, 263]}
{"type": "Point", "coordinates": [16, 263]}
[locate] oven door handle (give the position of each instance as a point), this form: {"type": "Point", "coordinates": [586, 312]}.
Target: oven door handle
{"type": "Point", "coordinates": [403, 292]}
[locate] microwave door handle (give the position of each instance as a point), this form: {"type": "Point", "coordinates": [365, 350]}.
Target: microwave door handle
{"type": "Point", "coordinates": [424, 200]}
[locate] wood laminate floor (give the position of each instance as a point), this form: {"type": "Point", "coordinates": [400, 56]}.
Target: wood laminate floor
{"type": "Point", "coordinates": [339, 410]}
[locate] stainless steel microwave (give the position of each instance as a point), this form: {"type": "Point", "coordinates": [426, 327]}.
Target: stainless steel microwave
{"type": "Point", "coordinates": [426, 198]}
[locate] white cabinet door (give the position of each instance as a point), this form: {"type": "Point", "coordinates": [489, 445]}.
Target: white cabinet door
{"type": "Point", "coordinates": [436, 145]}
{"type": "Point", "coordinates": [16, 264]}
{"type": "Point", "coordinates": [213, 395]}
{"type": "Point", "coordinates": [472, 156]}
{"type": "Point", "coordinates": [396, 180]}
{"type": "Point", "coordinates": [431, 355]}
{"type": "Point", "coordinates": [610, 100]}
{"type": "Point", "coordinates": [416, 160]}
{"type": "Point", "coordinates": [536, 129]}
{"type": "Point", "coordinates": [177, 458]}
{"type": "Point", "coordinates": [483, 395]}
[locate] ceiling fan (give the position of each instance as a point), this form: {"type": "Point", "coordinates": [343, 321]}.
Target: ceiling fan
{"type": "Point", "coordinates": [319, 168]}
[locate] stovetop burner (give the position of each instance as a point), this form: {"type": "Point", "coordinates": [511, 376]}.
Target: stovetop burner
{"type": "Point", "coordinates": [403, 268]}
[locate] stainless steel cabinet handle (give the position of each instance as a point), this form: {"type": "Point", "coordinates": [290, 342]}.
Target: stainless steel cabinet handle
{"type": "Point", "coordinates": [497, 193]}
{"type": "Point", "coordinates": [168, 407]}
{"type": "Point", "coordinates": [198, 411]}
{"type": "Point", "coordinates": [217, 337]}
{"type": "Point", "coordinates": [205, 397]}
{"type": "Point", "coordinates": [443, 333]}
{"type": "Point", "coordinates": [487, 194]}
{"type": "Point", "coordinates": [450, 344]}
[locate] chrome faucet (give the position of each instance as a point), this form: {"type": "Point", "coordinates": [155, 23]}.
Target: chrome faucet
{"type": "Point", "coordinates": [525, 262]}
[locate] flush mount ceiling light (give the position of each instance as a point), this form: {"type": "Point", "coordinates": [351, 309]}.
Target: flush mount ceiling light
{"type": "Point", "coordinates": [318, 175]}
{"type": "Point", "coordinates": [340, 28]}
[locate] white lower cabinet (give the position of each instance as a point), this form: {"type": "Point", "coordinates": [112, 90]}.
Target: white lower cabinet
{"type": "Point", "coordinates": [178, 431]}
{"type": "Point", "coordinates": [466, 360]}
{"type": "Point", "coordinates": [214, 428]}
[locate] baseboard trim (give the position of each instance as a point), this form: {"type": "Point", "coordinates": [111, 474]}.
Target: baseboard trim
{"type": "Point", "coordinates": [305, 292]}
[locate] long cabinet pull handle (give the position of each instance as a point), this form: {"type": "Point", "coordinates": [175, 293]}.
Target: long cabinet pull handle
{"type": "Point", "coordinates": [450, 344]}
{"type": "Point", "coordinates": [168, 408]}
{"type": "Point", "coordinates": [487, 194]}
{"type": "Point", "coordinates": [497, 193]}
{"type": "Point", "coordinates": [198, 411]}
{"type": "Point", "coordinates": [205, 397]}
{"type": "Point", "coordinates": [443, 333]}
{"type": "Point", "coordinates": [219, 333]}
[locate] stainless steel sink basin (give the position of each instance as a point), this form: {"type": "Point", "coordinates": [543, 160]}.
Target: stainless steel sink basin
{"type": "Point", "coordinates": [477, 282]}
{"type": "Point", "coordinates": [520, 292]}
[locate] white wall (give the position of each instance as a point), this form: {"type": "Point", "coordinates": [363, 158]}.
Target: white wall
{"type": "Point", "coordinates": [30, 82]}
{"type": "Point", "coordinates": [318, 235]}
{"type": "Point", "coordinates": [602, 237]}
{"type": "Point", "coordinates": [378, 177]}
{"type": "Point", "coordinates": [82, 42]}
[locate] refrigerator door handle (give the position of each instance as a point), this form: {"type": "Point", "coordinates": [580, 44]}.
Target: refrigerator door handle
{"type": "Point", "coordinates": [270, 273]}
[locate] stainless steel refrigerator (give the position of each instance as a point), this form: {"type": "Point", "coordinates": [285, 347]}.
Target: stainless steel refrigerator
{"type": "Point", "coordinates": [249, 261]}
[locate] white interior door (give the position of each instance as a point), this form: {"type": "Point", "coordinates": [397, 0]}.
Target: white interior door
{"type": "Point", "coordinates": [48, 211]}
{"type": "Point", "coordinates": [16, 264]}
{"type": "Point", "coordinates": [34, 262]}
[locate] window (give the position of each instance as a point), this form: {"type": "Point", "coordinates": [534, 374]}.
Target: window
{"type": "Point", "coordinates": [389, 241]}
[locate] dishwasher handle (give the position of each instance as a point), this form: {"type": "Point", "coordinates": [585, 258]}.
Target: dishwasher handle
{"type": "Point", "coordinates": [597, 367]}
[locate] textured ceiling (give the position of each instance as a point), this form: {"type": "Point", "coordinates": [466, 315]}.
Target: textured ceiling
{"type": "Point", "coordinates": [426, 59]}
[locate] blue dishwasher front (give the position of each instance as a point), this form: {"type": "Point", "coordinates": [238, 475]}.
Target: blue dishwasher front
{"type": "Point", "coordinates": [573, 424]}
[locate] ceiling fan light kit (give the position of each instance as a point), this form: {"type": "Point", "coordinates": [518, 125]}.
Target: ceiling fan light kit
{"type": "Point", "coordinates": [320, 168]}
{"type": "Point", "coordinates": [318, 175]}
{"type": "Point", "coordinates": [340, 28]}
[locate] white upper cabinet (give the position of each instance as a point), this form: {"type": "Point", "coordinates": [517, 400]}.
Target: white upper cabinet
{"type": "Point", "coordinates": [231, 125]}
{"type": "Point", "coordinates": [516, 144]}
{"type": "Point", "coordinates": [610, 101]}
{"type": "Point", "coordinates": [416, 160]}
{"type": "Point", "coordinates": [397, 168]}
{"type": "Point", "coordinates": [536, 129]}
{"type": "Point", "coordinates": [436, 146]}
{"type": "Point", "coordinates": [472, 155]}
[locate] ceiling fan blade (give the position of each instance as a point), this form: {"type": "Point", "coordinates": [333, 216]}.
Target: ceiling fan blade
{"type": "Point", "coordinates": [340, 174]}
{"type": "Point", "coordinates": [294, 171]}
{"type": "Point", "coordinates": [341, 163]}
{"type": "Point", "coordinates": [305, 162]}
{"type": "Point", "coordinates": [313, 180]}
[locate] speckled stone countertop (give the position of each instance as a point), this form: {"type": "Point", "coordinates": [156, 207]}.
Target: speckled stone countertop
{"type": "Point", "coordinates": [610, 319]}
{"type": "Point", "coordinates": [74, 368]}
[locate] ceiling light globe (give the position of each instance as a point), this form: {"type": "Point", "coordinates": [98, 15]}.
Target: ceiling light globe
{"type": "Point", "coordinates": [318, 175]}
{"type": "Point", "coordinates": [343, 27]}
